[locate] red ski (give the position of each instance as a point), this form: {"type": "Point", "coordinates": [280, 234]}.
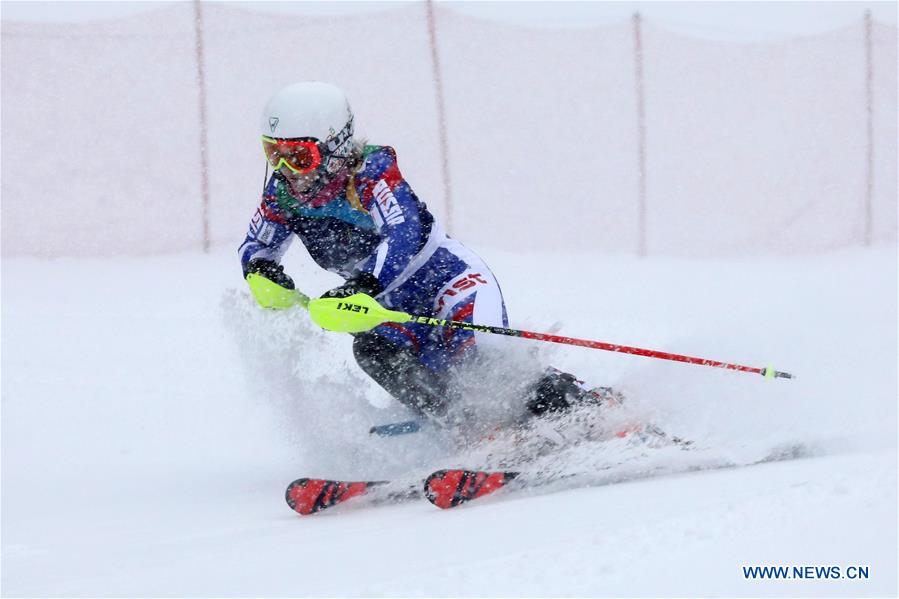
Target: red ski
{"type": "Point", "coordinates": [449, 488]}
{"type": "Point", "coordinates": [308, 496]}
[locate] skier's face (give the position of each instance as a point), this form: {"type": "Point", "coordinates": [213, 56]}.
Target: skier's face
{"type": "Point", "coordinates": [300, 185]}
{"type": "Point", "coordinates": [317, 187]}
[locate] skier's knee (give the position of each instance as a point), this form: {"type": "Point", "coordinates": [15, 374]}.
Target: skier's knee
{"type": "Point", "coordinates": [399, 371]}
{"type": "Point", "coordinates": [374, 353]}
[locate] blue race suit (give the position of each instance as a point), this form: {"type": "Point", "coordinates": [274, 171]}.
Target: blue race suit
{"type": "Point", "coordinates": [377, 225]}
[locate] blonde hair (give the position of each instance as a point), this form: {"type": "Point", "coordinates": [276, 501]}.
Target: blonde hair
{"type": "Point", "coordinates": [356, 154]}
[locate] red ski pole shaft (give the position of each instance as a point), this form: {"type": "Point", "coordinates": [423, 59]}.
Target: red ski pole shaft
{"type": "Point", "coordinates": [767, 371]}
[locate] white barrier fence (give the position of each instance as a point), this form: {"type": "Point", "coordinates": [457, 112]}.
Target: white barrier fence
{"type": "Point", "coordinates": [624, 138]}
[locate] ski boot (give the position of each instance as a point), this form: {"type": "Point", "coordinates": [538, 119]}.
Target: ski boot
{"type": "Point", "coordinates": [561, 411]}
{"type": "Point", "coordinates": [565, 409]}
{"type": "Point", "coordinates": [557, 392]}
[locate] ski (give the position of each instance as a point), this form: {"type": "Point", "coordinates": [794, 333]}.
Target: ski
{"type": "Point", "coordinates": [449, 488]}
{"type": "Point", "coordinates": [453, 487]}
{"type": "Point", "coordinates": [396, 429]}
{"type": "Point", "coordinates": [308, 496]}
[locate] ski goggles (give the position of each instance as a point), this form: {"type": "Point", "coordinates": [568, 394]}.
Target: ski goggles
{"type": "Point", "coordinates": [299, 155]}
{"type": "Point", "coordinates": [304, 155]}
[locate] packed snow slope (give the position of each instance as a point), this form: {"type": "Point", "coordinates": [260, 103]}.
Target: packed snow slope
{"type": "Point", "coordinates": [152, 417]}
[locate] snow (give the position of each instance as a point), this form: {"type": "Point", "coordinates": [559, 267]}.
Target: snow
{"type": "Point", "coordinates": [152, 417]}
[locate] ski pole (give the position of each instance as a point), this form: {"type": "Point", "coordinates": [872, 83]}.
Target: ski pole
{"type": "Point", "coordinates": [360, 312]}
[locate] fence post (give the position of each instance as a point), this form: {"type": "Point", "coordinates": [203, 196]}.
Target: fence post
{"type": "Point", "coordinates": [641, 135]}
{"type": "Point", "coordinates": [869, 111]}
{"type": "Point", "coordinates": [201, 85]}
{"type": "Point", "coordinates": [441, 115]}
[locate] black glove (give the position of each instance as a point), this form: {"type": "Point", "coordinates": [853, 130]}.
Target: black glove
{"type": "Point", "coordinates": [271, 270]}
{"type": "Point", "coordinates": [363, 282]}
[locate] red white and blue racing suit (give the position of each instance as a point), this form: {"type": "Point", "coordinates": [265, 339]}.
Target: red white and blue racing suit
{"type": "Point", "coordinates": [377, 225]}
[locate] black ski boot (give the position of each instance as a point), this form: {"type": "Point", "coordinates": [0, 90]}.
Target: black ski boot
{"type": "Point", "coordinates": [559, 391]}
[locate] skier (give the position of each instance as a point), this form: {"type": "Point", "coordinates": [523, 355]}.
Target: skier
{"type": "Point", "coordinates": [358, 217]}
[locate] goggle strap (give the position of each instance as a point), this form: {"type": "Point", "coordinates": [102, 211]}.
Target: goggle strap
{"type": "Point", "coordinates": [342, 136]}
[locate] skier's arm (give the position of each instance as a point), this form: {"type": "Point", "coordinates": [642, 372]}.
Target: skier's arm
{"type": "Point", "coordinates": [267, 239]}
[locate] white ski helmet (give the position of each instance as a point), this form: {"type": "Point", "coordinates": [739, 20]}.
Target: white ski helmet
{"type": "Point", "coordinates": [308, 109]}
